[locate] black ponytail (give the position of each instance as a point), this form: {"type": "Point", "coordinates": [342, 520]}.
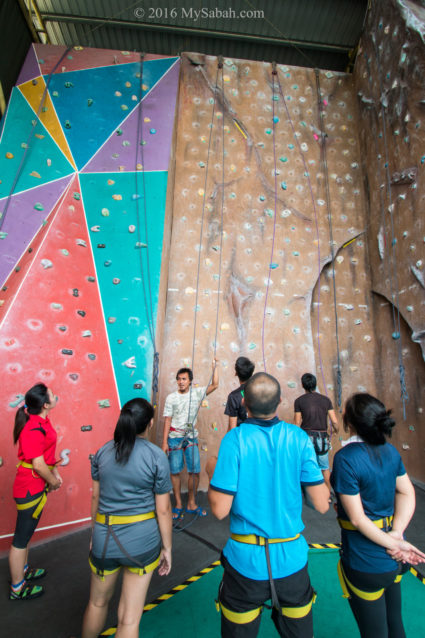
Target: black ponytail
{"type": "Point", "coordinates": [134, 418]}
{"type": "Point", "coordinates": [369, 418]}
{"type": "Point", "coordinates": [35, 399]}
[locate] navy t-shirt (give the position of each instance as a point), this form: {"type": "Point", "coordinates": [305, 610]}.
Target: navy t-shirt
{"type": "Point", "coordinates": [371, 471]}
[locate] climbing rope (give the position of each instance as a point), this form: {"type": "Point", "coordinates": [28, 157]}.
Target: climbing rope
{"type": "Point", "coordinates": [30, 136]}
{"type": "Point", "coordinates": [147, 294]}
{"type": "Point", "coordinates": [192, 421]}
{"type": "Point", "coordinates": [331, 239]}
{"type": "Point", "coordinates": [394, 286]}
{"type": "Point", "coordinates": [307, 175]}
{"type": "Point", "coordinates": [274, 74]}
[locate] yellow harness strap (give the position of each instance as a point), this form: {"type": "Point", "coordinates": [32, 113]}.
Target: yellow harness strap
{"type": "Point", "coordinates": [135, 570]}
{"type": "Point", "coordinates": [40, 502]}
{"type": "Point", "coordinates": [365, 595]}
{"type": "Point", "coordinates": [299, 612]}
{"type": "Point", "coordinates": [253, 539]}
{"type": "Point", "coordinates": [239, 617]}
{"type": "Point", "coordinates": [382, 523]}
{"type": "Point", "coordinates": [112, 519]}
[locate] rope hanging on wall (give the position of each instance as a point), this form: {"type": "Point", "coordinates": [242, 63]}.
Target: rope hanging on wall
{"type": "Point", "coordinates": [147, 294]}
{"type": "Point", "coordinates": [331, 239]}
{"type": "Point", "coordinates": [393, 274]}
{"type": "Point", "coordinates": [313, 201]}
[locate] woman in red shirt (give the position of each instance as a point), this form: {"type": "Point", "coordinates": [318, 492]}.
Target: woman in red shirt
{"type": "Point", "coordinates": [36, 476]}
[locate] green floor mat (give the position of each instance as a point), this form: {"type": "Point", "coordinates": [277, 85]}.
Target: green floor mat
{"type": "Point", "coordinates": [191, 613]}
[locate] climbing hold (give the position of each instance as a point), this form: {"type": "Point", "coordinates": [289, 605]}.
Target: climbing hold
{"type": "Point", "coordinates": [95, 229]}
{"type": "Point", "coordinates": [101, 245]}
{"type": "Point", "coordinates": [138, 386]}
{"type": "Point", "coordinates": [91, 356]}
{"type": "Point", "coordinates": [283, 186]}
{"type": "Point", "coordinates": [35, 174]}
{"type": "Point", "coordinates": [104, 403]}
{"type": "Point", "coordinates": [65, 252]}
{"type": "Point", "coordinates": [9, 155]}
{"type": "Point", "coordinates": [67, 124]}
{"type": "Point", "coordinates": [86, 428]}
{"type": "Point", "coordinates": [56, 306]}
{"type": "Point", "coordinates": [107, 263]}
{"type": "Point", "coordinates": [73, 376]}
{"type": "Point", "coordinates": [118, 198]}
{"type": "Point", "coordinates": [105, 212]}
{"type": "Point", "coordinates": [65, 457]}
{"type": "Point", "coordinates": [116, 280]}
{"type": "Point", "coordinates": [91, 279]}
{"type": "Point", "coordinates": [86, 333]}
{"type": "Point", "coordinates": [81, 313]}
{"type": "Point", "coordinates": [214, 426]}
{"type": "Point", "coordinates": [81, 242]}
{"type": "Point", "coordinates": [17, 401]}
{"type": "Point", "coordinates": [124, 107]}
{"type": "Point", "coordinates": [130, 363]}
{"type": "Point", "coordinates": [140, 244]}
{"type": "Point", "coordinates": [395, 335]}
{"type": "Point", "coordinates": [225, 326]}
{"type": "Point", "coordinates": [89, 102]}
{"type": "Point", "coordinates": [76, 196]}
{"type": "Point", "coordinates": [291, 384]}
{"type": "Point", "coordinates": [3, 235]}
{"type": "Point", "coordinates": [75, 292]}
{"type": "Point", "coordinates": [62, 328]}
{"type": "Point", "coordinates": [46, 263]}
{"type": "Point", "coordinates": [112, 319]}
{"type": "Point", "coordinates": [131, 228]}
{"type": "Point", "coordinates": [252, 346]}
{"type": "Point", "coordinates": [67, 351]}
{"type": "Point", "coordinates": [273, 265]}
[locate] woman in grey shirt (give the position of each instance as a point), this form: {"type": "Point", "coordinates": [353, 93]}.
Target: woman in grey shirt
{"type": "Point", "coordinates": [131, 518]}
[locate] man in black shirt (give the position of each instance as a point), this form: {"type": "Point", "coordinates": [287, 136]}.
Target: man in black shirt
{"type": "Point", "coordinates": [236, 412]}
{"type": "Point", "coordinates": [311, 413]}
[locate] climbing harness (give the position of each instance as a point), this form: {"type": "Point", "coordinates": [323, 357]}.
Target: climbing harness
{"type": "Point", "coordinates": [253, 539]}
{"type": "Point", "coordinates": [348, 587]}
{"type": "Point", "coordinates": [114, 519]}
{"type": "Point", "coordinates": [321, 441]}
{"type": "Point", "coordinates": [382, 523]}
{"type": "Point", "coordinates": [40, 501]}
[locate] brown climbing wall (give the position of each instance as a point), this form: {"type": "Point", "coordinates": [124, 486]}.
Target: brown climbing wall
{"type": "Point", "coordinates": [390, 80]}
{"type": "Point", "coordinates": [257, 267]}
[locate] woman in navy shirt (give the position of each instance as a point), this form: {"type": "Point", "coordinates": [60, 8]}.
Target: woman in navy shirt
{"type": "Point", "coordinates": [375, 502]}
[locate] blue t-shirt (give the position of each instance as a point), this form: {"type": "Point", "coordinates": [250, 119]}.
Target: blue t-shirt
{"type": "Point", "coordinates": [263, 464]}
{"type": "Point", "coordinates": [371, 471]}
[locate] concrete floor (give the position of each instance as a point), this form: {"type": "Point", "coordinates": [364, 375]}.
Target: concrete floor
{"type": "Point", "coordinates": [58, 613]}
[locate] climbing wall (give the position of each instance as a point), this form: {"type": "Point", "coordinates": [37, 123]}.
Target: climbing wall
{"type": "Point", "coordinates": [389, 77]}
{"type": "Point", "coordinates": [84, 155]}
{"type": "Point", "coordinates": [269, 235]}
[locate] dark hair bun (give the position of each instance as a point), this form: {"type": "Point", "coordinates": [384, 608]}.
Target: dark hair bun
{"type": "Point", "coordinates": [384, 422]}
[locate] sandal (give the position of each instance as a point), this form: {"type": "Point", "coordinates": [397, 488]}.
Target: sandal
{"type": "Point", "coordinates": [26, 592]}
{"type": "Point", "coordinates": [34, 573]}
{"type": "Point", "coordinates": [198, 511]}
{"type": "Point", "coordinates": [177, 513]}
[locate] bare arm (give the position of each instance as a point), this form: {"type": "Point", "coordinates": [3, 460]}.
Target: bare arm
{"type": "Point", "coordinates": [165, 524]}
{"type": "Point", "coordinates": [404, 503]}
{"type": "Point", "coordinates": [398, 548]}
{"type": "Point", "coordinates": [233, 421]}
{"type": "Point", "coordinates": [94, 501]}
{"type": "Point", "coordinates": [167, 425]}
{"type": "Point", "coordinates": [220, 503]}
{"type": "Point", "coordinates": [334, 421]}
{"type": "Point", "coordinates": [297, 418]}
{"type": "Point", "coordinates": [214, 381]}
{"type": "Point", "coordinates": [318, 497]}
{"type": "Point", "coordinates": [53, 480]}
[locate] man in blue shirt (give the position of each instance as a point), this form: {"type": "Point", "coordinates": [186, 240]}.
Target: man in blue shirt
{"type": "Point", "coordinates": [260, 470]}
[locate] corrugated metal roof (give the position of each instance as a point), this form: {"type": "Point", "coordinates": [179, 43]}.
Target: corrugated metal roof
{"type": "Point", "coordinates": [305, 32]}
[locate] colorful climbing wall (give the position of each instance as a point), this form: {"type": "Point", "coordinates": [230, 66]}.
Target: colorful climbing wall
{"type": "Point", "coordinates": [268, 246]}
{"type": "Point", "coordinates": [84, 155]}
{"type": "Point", "coordinates": [389, 77]}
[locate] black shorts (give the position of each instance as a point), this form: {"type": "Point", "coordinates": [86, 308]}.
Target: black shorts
{"type": "Point", "coordinates": [240, 594]}
{"type": "Point", "coordinates": [25, 523]}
